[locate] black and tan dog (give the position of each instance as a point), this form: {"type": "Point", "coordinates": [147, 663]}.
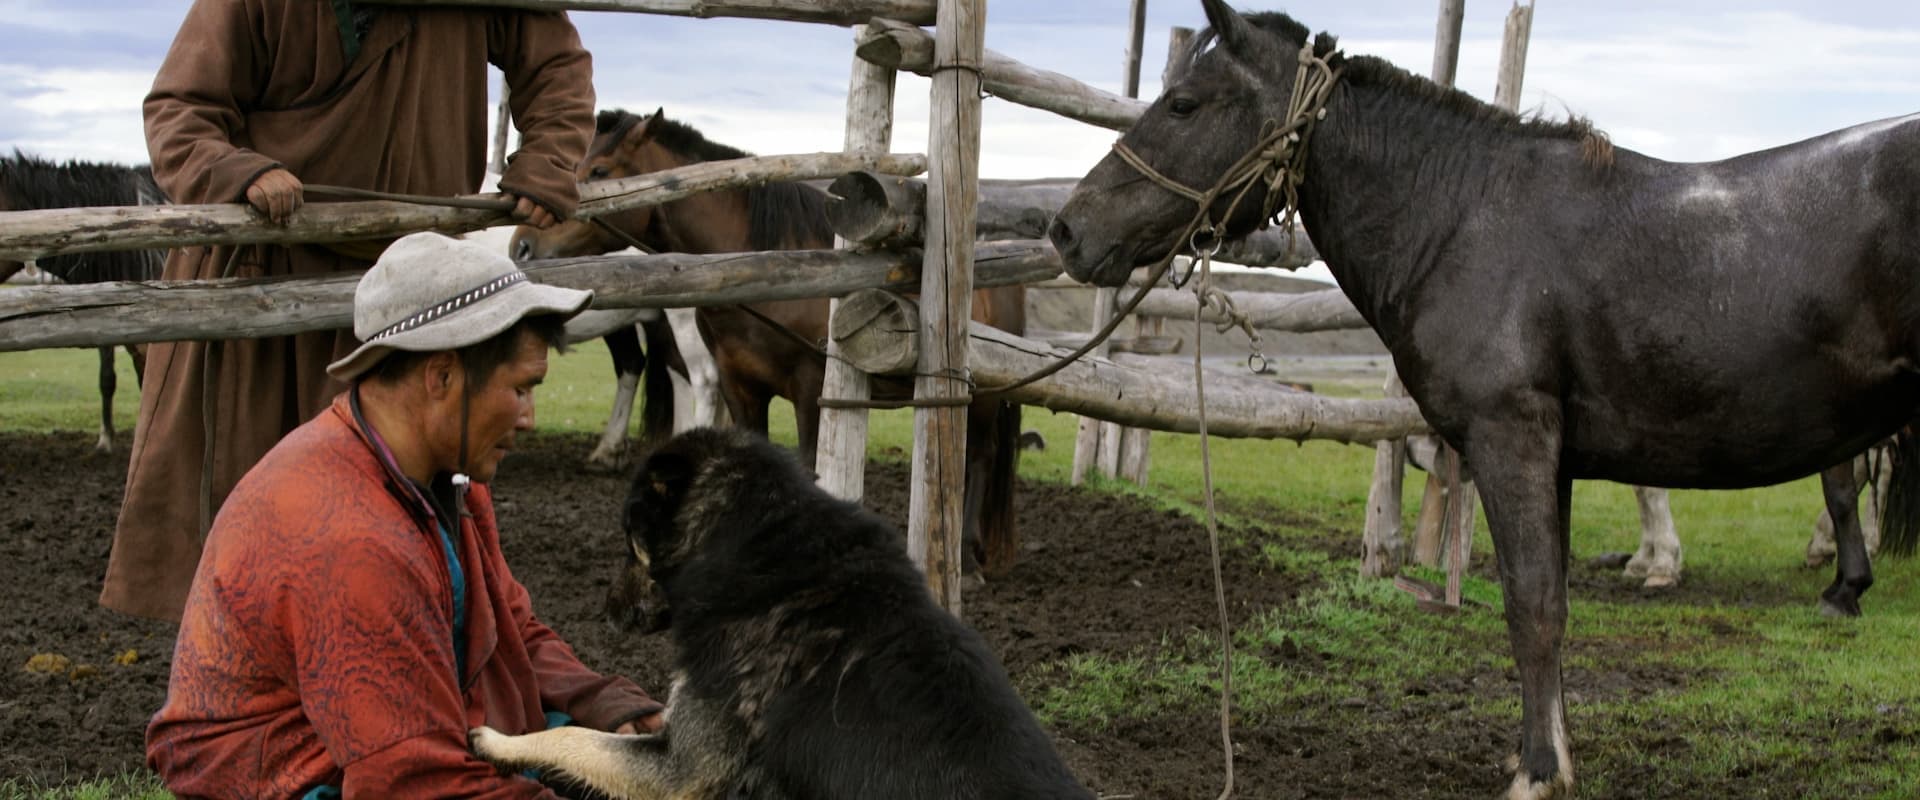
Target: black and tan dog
{"type": "Point", "coordinates": [812, 663]}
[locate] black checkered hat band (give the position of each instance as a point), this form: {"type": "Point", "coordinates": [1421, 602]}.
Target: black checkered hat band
{"type": "Point", "coordinates": [449, 306]}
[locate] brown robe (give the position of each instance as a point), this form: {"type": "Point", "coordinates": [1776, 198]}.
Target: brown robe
{"type": "Point", "coordinates": [250, 85]}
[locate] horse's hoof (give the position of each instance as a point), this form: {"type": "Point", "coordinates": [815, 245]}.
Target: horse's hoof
{"type": "Point", "coordinates": [1818, 560]}
{"type": "Point", "coordinates": [1661, 581]}
{"type": "Point", "coordinates": [1610, 560]}
{"type": "Point", "coordinates": [1525, 788]}
{"type": "Point", "coordinates": [605, 462]}
{"type": "Point", "coordinates": [1839, 604]}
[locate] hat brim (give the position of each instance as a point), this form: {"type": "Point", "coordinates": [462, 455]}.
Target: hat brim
{"type": "Point", "coordinates": [475, 324]}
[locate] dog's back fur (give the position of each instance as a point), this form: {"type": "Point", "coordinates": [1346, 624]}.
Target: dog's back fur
{"type": "Point", "coordinates": [812, 663]}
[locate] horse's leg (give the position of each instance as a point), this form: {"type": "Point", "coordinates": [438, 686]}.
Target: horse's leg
{"type": "Point", "coordinates": [806, 417]}
{"type": "Point", "coordinates": [749, 408]}
{"type": "Point", "coordinates": [1658, 559]}
{"type": "Point", "coordinates": [993, 459]}
{"type": "Point", "coordinates": [1873, 470]}
{"type": "Point", "coordinates": [107, 384]}
{"type": "Point", "coordinates": [1822, 547]}
{"type": "Point", "coordinates": [1527, 502]}
{"type": "Point", "coordinates": [138, 352]}
{"type": "Point", "coordinates": [1854, 573]}
{"type": "Point", "coordinates": [703, 376]}
{"type": "Point", "coordinates": [628, 362]}
{"type": "Point", "coordinates": [657, 405]}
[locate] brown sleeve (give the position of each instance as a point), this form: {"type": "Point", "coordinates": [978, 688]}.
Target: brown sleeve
{"type": "Point", "coordinates": [195, 107]}
{"type": "Point", "coordinates": [550, 80]}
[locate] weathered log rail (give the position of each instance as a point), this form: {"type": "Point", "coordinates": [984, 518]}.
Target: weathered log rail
{"type": "Point", "coordinates": [1136, 392]}
{"type": "Point", "coordinates": [887, 211]}
{"type": "Point", "coordinates": [901, 46]}
{"type": "Point", "coordinates": [103, 314]}
{"type": "Point", "coordinates": [829, 12]}
{"type": "Point", "coordinates": [27, 235]}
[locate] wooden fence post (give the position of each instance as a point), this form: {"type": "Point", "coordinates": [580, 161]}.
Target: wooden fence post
{"type": "Point", "coordinates": [842, 442]}
{"type": "Point", "coordinates": [934, 511]}
{"type": "Point", "coordinates": [1104, 445]}
{"type": "Point", "coordinates": [1136, 444]}
{"type": "Point", "coordinates": [502, 124]}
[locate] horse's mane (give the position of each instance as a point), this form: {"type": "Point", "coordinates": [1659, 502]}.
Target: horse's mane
{"type": "Point", "coordinates": [1595, 148]}
{"type": "Point", "coordinates": [782, 215]}
{"type": "Point", "coordinates": [29, 182]}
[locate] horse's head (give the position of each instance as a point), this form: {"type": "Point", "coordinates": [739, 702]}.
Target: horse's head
{"type": "Point", "coordinates": [1238, 75]}
{"type": "Point", "coordinates": [622, 147]}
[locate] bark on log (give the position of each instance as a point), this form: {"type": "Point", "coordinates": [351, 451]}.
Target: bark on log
{"type": "Point", "coordinates": [1325, 310]}
{"type": "Point", "coordinates": [831, 12]}
{"type": "Point", "coordinates": [105, 314]}
{"type": "Point", "coordinates": [898, 45]}
{"type": "Point", "coordinates": [27, 235]}
{"type": "Point", "coordinates": [1138, 391]}
{"type": "Point", "coordinates": [874, 329]}
{"type": "Point", "coordinates": [881, 210]}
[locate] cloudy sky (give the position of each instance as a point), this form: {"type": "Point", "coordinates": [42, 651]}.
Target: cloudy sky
{"type": "Point", "coordinates": [1676, 79]}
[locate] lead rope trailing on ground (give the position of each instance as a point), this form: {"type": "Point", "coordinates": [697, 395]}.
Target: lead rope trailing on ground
{"type": "Point", "coordinates": [1202, 289]}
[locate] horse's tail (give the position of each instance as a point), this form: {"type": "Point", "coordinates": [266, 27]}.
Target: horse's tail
{"type": "Point", "coordinates": [1900, 513]}
{"type": "Point", "coordinates": [656, 401]}
{"type": "Point", "coordinates": [999, 535]}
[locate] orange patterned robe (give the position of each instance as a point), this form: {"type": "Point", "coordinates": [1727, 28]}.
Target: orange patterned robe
{"type": "Point", "coordinates": [317, 643]}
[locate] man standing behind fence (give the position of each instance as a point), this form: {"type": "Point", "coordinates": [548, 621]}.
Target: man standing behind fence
{"type": "Point", "coordinates": [254, 98]}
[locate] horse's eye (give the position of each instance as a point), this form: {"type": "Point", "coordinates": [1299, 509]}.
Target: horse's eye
{"type": "Point", "coordinates": [598, 173]}
{"type": "Point", "coordinates": [1182, 106]}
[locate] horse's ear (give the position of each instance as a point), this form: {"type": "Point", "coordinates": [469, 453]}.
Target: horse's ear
{"type": "Point", "coordinates": [1228, 26]}
{"type": "Point", "coordinates": [641, 131]}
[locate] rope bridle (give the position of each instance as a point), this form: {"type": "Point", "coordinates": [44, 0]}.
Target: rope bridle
{"type": "Point", "coordinates": [1277, 160]}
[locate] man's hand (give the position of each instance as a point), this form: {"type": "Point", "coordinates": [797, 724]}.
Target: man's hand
{"type": "Point", "coordinates": [651, 723]}
{"type": "Point", "coordinates": [532, 213]}
{"type": "Point", "coordinates": [276, 193]}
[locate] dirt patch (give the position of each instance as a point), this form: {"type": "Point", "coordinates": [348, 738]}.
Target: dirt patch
{"type": "Point", "coordinates": [1102, 574]}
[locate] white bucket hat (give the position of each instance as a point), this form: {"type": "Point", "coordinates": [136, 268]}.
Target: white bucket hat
{"type": "Point", "coordinates": [430, 292]}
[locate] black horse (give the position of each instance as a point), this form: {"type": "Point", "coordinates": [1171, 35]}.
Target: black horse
{"type": "Point", "coordinates": [28, 182]}
{"type": "Point", "coordinates": [1560, 309]}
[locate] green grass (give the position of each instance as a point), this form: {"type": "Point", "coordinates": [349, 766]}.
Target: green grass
{"type": "Point", "coordinates": [1763, 673]}
{"type": "Point", "coordinates": [140, 786]}
{"type": "Point", "coordinates": [43, 390]}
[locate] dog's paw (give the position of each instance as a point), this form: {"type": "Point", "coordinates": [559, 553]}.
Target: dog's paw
{"type": "Point", "coordinates": [491, 746]}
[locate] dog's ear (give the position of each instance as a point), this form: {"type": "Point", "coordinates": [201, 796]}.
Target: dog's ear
{"type": "Point", "coordinates": [658, 487]}
{"type": "Point", "coordinates": [666, 475]}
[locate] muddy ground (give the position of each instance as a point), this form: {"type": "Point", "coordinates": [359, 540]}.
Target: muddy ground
{"type": "Point", "coordinates": [1103, 574]}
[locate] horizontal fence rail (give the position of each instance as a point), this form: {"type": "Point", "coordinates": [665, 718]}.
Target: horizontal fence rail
{"type": "Point", "coordinates": [26, 235]}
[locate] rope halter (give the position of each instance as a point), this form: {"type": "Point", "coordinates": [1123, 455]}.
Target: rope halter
{"type": "Point", "coordinates": [1278, 159]}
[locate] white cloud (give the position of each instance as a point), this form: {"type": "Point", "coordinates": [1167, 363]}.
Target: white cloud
{"type": "Point", "coordinates": [91, 114]}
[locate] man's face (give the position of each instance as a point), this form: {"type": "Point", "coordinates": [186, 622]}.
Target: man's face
{"type": "Point", "coordinates": [504, 407]}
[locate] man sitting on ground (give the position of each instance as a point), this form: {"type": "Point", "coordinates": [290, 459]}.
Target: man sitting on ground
{"type": "Point", "coordinates": [352, 617]}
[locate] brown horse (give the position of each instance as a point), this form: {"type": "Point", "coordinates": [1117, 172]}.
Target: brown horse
{"type": "Point", "coordinates": [766, 352]}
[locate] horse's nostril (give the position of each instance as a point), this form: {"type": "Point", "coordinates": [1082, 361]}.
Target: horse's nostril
{"type": "Point", "coordinates": [523, 250]}
{"type": "Point", "coordinates": [1061, 235]}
